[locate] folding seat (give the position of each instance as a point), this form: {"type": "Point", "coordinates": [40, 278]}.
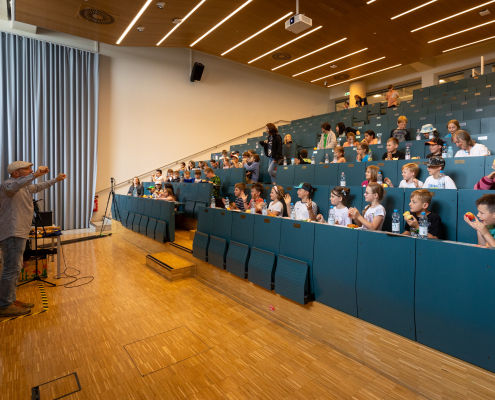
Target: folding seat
{"type": "Point", "coordinates": [490, 78]}
{"type": "Point", "coordinates": [476, 81]}
{"type": "Point", "coordinates": [135, 222]}
{"type": "Point", "coordinates": [431, 102]}
{"type": "Point", "coordinates": [445, 94]}
{"type": "Point", "coordinates": [454, 99]}
{"type": "Point", "coordinates": [481, 88]}
{"type": "Point", "coordinates": [443, 119]}
{"type": "Point", "coordinates": [465, 171]}
{"type": "Point", "coordinates": [480, 112]}
{"type": "Point", "coordinates": [463, 105]}
{"type": "Point", "coordinates": [487, 101]}
{"type": "Point", "coordinates": [150, 229]}
{"type": "Point", "coordinates": [161, 231]}
{"type": "Point", "coordinates": [420, 93]}
{"type": "Point", "coordinates": [416, 113]}
{"type": "Point", "coordinates": [304, 173]}
{"type": "Point", "coordinates": [456, 85]}
{"type": "Point", "coordinates": [419, 122]}
{"type": "Point", "coordinates": [326, 174]}
{"type": "Point", "coordinates": [473, 127]}
{"type": "Point", "coordinates": [200, 245]}
{"type": "Point", "coordinates": [143, 224]}
{"type": "Point", "coordinates": [466, 90]}
{"type": "Point", "coordinates": [438, 89]}
{"type": "Point", "coordinates": [488, 126]}
{"type": "Point", "coordinates": [440, 108]}
{"type": "Point", "coordinates": [478, 94]}
{"type": "Point", "coordinates": [393, 199]}
{"type": "Point", "coordinates": [354, 173]}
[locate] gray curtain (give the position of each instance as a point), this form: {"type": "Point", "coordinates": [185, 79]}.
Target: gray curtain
{"type": "Point", "coordinates": [49, 116]}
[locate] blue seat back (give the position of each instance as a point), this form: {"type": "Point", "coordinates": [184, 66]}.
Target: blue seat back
{"type": "Point", "coordinates": [488, 125]}
{"type": "Point", "coordinates": [422, 92]}
{"type": "Point", "coordinates": [475, 81]}
{"type": "Point", "coordinates": [354, 173]}
{"type": "Point", "coordinates": [464, 105]}
{"type": "Point", "coordinates": [205, 191]}
{"type": "Point", "coordinates": [416, 113]}
{"type": "Point", "coordinates": [393, 199]}
{"type": "Point", "coordinates": [478, 95]}
{"type": "Point", "coordinates": [285, 174]}
{"type": "Point", "coordinates": [206, 219]}
{"type": "Point", "coordinates": [242, 228]}
{"type": "Point", "coordinates": [487, 101]}
{"type": "Point", "coordinates": [237, 175]}
{"type": "Point", "coordinates": [222, 224]}
{"type": "Point", "coordinates": [304, 173]}
{"type": "Point", "coordinates": [440, 108]}
{"type": "Point", "coordinates": [465, 171]}
{"type": "Point", "coordinates": [466, 202]}
{"type": "Point", "coordinates": [327, 174]}
{"type": "Point", "coordinates": [479, 112]}
{"type": "Point", "coordinates": [454, 99]}
{"type": "Point", "coordinates": [456, 85]}
{"type": "Point", "coordinates": [444, 118]}
{"type": "Point", "coordinates": [266, 234]}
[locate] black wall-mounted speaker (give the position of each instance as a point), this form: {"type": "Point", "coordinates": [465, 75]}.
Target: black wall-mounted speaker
{"type": "Point", "coordinates": [197, 72]}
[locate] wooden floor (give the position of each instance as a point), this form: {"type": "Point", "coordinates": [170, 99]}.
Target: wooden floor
{"type": "Point", "coordinates": [131, 334]}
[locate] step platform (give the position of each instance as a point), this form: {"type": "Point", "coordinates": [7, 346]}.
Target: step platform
{"type": "Point", "coordinates": [171, 266]}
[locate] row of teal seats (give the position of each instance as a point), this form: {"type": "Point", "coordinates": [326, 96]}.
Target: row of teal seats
{"type": "Point", "coordinates": [465, 171]}
{"type": "Point", "coordinates": [437, 293]}
{"type": "Point", "coordinates": [476, 81]}
{"type": "Point", "coordinates": [153, 218]}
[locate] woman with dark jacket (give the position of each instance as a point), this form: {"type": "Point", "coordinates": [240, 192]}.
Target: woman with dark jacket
{"type": "Point", "coordinates": [136, 185]}
{"type": "Point", "coordinates": [273, 149]}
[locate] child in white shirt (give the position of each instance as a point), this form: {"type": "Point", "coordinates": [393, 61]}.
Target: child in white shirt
{"type": "Point", "coordinates": [409, 173]}
{"type": "Point", "coordinates": [305, 209]}
{"type": "Point", "coordinates": [374, 213]}
{"type": "Point", "coordinates": [277, 207]}
{"type": "Point", "coordinates": [338, 197]}
{"type": "Point", "coordinates": [435, 167]}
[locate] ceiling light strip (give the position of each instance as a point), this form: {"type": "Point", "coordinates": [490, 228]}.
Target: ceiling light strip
{"type": "Point", "coordinates": [257, 33]}
{"type": "Point", "coordinates": [180, 23]}
{"type": "Point", "coordinates": [356, 66]}
{"type": "Point", "coordinates": [413, 9]}
{"type": "Point", "coordinates": [134, 21]}
{"type": "Point", "coordinates": [221, 22]}
{"type": "Point", "coordinates": [313, 52]}
{"type": "Point", "coordinates": [362, 76]}
{"type": "Point", "coordinates": [469, 44]}
{"type": "Point", "coordinates": [285, 44]}
{"type": "Point", "coordinates": [371, 1]}
{"type": "Point", "coordinates": [337, 59]}
{"type": "Point", "coordinates": [465, 30]}
{"type": "Point", "coordinates": [452, 16]}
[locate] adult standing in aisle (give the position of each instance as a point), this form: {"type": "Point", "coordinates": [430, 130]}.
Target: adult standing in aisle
{"type": "Point", "coordinates": [16, 215]}
{"type": "Point", "coordinates": [273, 150]}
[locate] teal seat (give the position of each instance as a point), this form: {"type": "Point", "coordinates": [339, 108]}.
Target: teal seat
{"type": "Point", "coordinates": [161, 231]}
{"type": "Point", "coordinates": [464, 105]}
{"type": "Point", "coordinates": [361, 128]}
{"type": "Point", "coordinates": [385, 291]}
{"type": "Point", "coordinates": [420, 121]}
{"type": "Point", "coordinates": [242, 228]}
{"type": "Point", "coordinates": [206, 219]}
{"type": "Point", "coordinates": [326, 174]}
{"type": "Point", "coordinates": [143, 224]}
{"type": "Point", "coordinates": [487, 101]}
{"type": "Point", "coordinates": [416, 113]}
{"type": "Point", "coordinates": [266, 235]}
{"type": "Point", "coordinates": [466, 90]}
{"type": "Point", "coordinates": [487, 125]}
{"type": "Point", "coordinates": [189, 208]}
{"type": "Point", "coordinates": [393, 200]}
{"type": "Point", "coordinates": [475, 81]}
{"type": "Point", "coordinates": [129, 220]}
{"type": "Point", "coordinates": [454, 99]}
{"type": "Point", "coordinates": [237, 259]}
{"type": "Point", "coordinates": [310, 139]}
{"type": "Point", "coordinates": [135, 223]}
{"type": "Point", "coordinates": [444, 118]}
{"type": "Point", "coordinates": [490, 78]}
{"type": "Point", "coordinates": [261, 268]}
{"type": "Point", "coordinates": [200, 245]}
{"type": "Point", "coordinates": [222, 223]}
{"type": "Point", "coordinates": [155, 208]}
{"type": "Point", "coordinates": [438, 89]}
{"type": "Point", "coordinates": [453, 302]}
{"type": "Point", "coordinates": [217, 251]}
{"type": "Point", "coordinates": [237, 175]}
{"type": "Point", "coordinates": [334, 272]}
{"type": "Point", "coordinates": [473, 127]}
{"type": "Point", "coordinates": [285, 175]}
{"type": "Point", "coordinates": [479, 112]}
{"type": "Point", "coordinates": [319, 155]}
{"type": "Point", "coordinates": [354, 173]}
{"type": "Point", "coordinates": [205, 191]}
{"type": "Point", "coordinates": [291, 279]}
{"type": "Point", "coordinates": [150, 229]}
{"type": "Point", "coordinates": [374, 109]}
{"type": "Point", "coordinates": [456, 85]}
{"type": "Point", "coordinates": [134, 204]}
{"type": "Point", "coordinates": [478, 94]}
{"type": "Point", "coordinates": [413, 105]}
{"type": "Point", "coordinates": [466, 202]}
{"type": "Point", "coordinates": [148, 207]}
{"type": "Point", "coordinates": [289, 151]}
{"type": "Point", "coordinates": [304, 173]}
{"type": "Point", "coordinates": [417, 148]}
{"type": "Point", "coordinates": [440, 108]}
{"type": "Point", "coordinates": [394, 113]}
{"type": "Point", "coordinates": [321, 196]}
{"type": "Point", "coordinates": [422, 92]}
{"type": "Point", "coordinates": [181, 191]}
{"type": "Point", "coordinates": [431, 102]}
{"type": "Point", "coordinates": [198, 207]}
{"type": "Point", "coordinates": [388, 170]}
{"type": "Point", "coordinates": [123, 217]}
{"type": "Point", "coordinates": [192, 192]}
{"type": "Point", "coordinates": [445, 94]}
{"type": "Point", "coordinates": [379, 125]}
{"type": "Point", "coordinates": [167, 214]}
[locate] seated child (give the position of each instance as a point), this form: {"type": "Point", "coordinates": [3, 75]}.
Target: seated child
{"type": "Point", "coordinates": [374, 213]}
{"type": "Point", "coordinates": [370, 137]}
{"type": "Point", "coordinates": [362, 150]}
{"type": "Point", "coordinates": [225, 154]}
{"type": "Point", "coordinates": [435, 166]}
{"type": "Point", "coordinates": [253, 169]}
{"type": "Point", "coordinates": [371, 174]}
{"type": "Point", "coordinates": [157, 176]}
{"type": "Point", "coordinates": [167, 195]}
{"type": "Point", "coordinates": [197, 176]}
{"type": "Point", "coordinates": [426, 129]}
{"type": "Point", "coordinates": [176, 177]}
{"type": "Point", "coordinates": [486, 183]}
{"type": "Point", "coordinates": [240, 197]}
{"type": "Point", "coordinates": [409, 173]}
{"type": "Point", "coordinates": [256, 200]}
{"type": "Point", "coordinates": [436, 145]}
{"type": "Point", "coordinates": [226, 163]}
{"type": "Point", "coordinates": [420, 201]}
{"type": "Point", "coordinates": [453, 126]}
{"type": "Point", "coordinates": [215, 181]}
{"type": "Point", "coordinates": [303, 157]}
{"type": "Point", "coordinates": [158, 188]}
{"type": "Point", "coordinates": [401, 133]}
{"type": "Point", "coordinates": [392, 152]}
{"type": "Point", "coordinates": [187, 176]}
{"type": "Point", "coordinates": [338, 198]}
{"type": "Point", "coordinates": [182, 166]}
{"type": "Point", "coordinates": [277, 207]}
{"type": "Point", "coordinates": [351, 138]}
{"type": "Point", "coordinates": [338, 154]}
{"type": "Point", "coordinates": [170, 175]}
{"type": "Point", "coordinates": [305, 208]}
{"type": "Point", "coordinates": [484, 224]}
{"type": "Point", "coordinates": [245, 158]}
{"type": "Point", "coordinates": [191, 165]}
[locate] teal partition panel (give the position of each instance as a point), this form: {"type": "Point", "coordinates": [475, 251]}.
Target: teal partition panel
{"type": "Point", "coordinates": [140, 208]}
{"type": "Point", "coordinates": [304, 173]}
{"type": "Point", "coordinates": [135, 222]}
{"type": "Point", "coordinates": [334, 272]}
{"type": "Point", "coordinates": [465, 105]}
{"type": "Point", "coordinates": [444, 118]}
{"type": "Point", "coordinates": [437, 89]}
{"type": "Point", "coordinates": [143, 224]}
{"type": "Point", "coordinates": [155, 208]}
{"type": "Point", "coordinates": [465, 171]}
{"type": "Point", "coordinates": [129, 220]}
{"type": "Point", "coordinates": [134, 204]}
{"type": "Point", "coordinates": [443, 203]}
{"type": "Point", "coordinates": [285, 174]}
{"type": "Point", "coordinates": [479, 112]}
{"type": "Point", "coordinates": [167, 214]}
{"type": "Point", "coordinates": [414, 113]}
{"type": "Point", "coordinates": [456, 85]}
{"type": "Point", "coordinates": [489, 162]}
{"type": "Point", "coordinates": [148, 207]}
{"type": "Point", "coordinates": [466, 202]}
{"type": "Point", "coordinates": [466, 90]}
{"type": "Point", "coordinates": [192, 190]}
{"type": "Point", "coordinates": [297, 241]}
{"type": "Point", "coordinates": [222, 223]}
{"type": "Point", "coordinates": [319, 155]}
{"type": "Point", "coordinates": [261, 268]}
{"type": "Point", "coordinates": [309, 139]}
{"type": "Point", "coordinates": [487, 101]}
{"type": "Point", "coordinates": [385, 281]}
{"type": "Point", "coordinates": [321, 196]}
{"type": "Point", "coordinates": [200, 246]}
{"type": "Point", "coordinates": [205, 191]}
{"type": "Point", "coordinates": [440, 108]}
{"type": "Point", "coordinates": [479, 94]}
{"type": "Point", "coordinates": [354, 173]}
{"type": "Point", "coordinates": [150, 229]}
{"type": "Point", "coordinates": [237, 259]}
{"type": "Point", "coordinates": [326, 174]}
{"type": "Point", "coordinates": [161, 231]}
{"type": "Point", "coordinates": [266, 234]}
{"type": "Point", "coordinates": [488, 125]}
{"type": "Point", "coordinates": [476, 81]}
{"type": "Point", "coordinates": [388, 170]}
{"type": "Point", "coordinates": [291, 279]}
{"type": "Point", "coordinates": [455, 294]}
{"type": "Point", "coordinates": [420, 93]}
{"type": "Point", "coordinates": [417, 147]}
{"type": "Point", "coordinates": [189, 208]}
{"type": "Point", "coordinates": [393, 199]}
{"type": "Point", "coordinates": [242, 228]}
{"type": "Point", "coordinates": [454, 99]}
{"type": "Point", "coordinates": [378, 125]}
{"type": "Point", "coordinates": [471, 126]}
{"type": "Point", "coordinates": [217, 250]}
{"type": "Point", "coordinates": [418, 122]}
{"type": "Point", "coordinates": [205, 221]}
{"type": "Point", "coordinates": [237, 175]}
{"type": "Point", "coordinates": [182, 191]}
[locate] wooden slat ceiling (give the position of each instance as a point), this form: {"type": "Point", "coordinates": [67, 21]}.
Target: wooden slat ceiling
{"type": "Point", "coordinates": [364, 25]}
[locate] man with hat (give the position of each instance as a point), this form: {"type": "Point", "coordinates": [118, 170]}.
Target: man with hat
{"type": "Point", "coordinates": [436, 145]}
{"type": "Point", "coordinates": [16, 214]}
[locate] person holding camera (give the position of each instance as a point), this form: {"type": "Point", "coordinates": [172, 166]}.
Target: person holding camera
{"type": "Point", "coordinates": [16, 215]}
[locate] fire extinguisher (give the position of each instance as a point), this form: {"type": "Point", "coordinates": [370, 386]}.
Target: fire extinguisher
{"type": "Point", "coordinates": [95, 204]}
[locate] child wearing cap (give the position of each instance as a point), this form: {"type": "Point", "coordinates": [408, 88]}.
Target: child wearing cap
{"type": "Point", "coordinates": [468, 147]}
{"type": "Point", "coordinates": [401, 133]}
{"type": "Point", "coordinates": [392, 152]}
{"type": "Point", "coordinates": [305, 208]}
{"type": "Point", "coordinates": [435, 166]}
{"type": "Point", "coordinates": [409, 173]}
{"type": "Point", "coordinates": [436, 145]}
{"type": "Point", "coordinates": [485, 221]}
{"type": "Point", "coordinates": [420, 200]}
{"type": "Point", "coordinates": [427, 129]}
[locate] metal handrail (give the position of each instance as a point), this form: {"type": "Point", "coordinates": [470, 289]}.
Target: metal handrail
{"type": "Point", "coordinates": [187, 158]}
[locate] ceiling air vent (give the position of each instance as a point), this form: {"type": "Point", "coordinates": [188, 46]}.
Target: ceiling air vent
{"type": "Point", "coordinates": [341, 77]}
{"type": "Point", "coordinates": [281, 56]}
{"type": "Point", "coordinates": [96, 16]}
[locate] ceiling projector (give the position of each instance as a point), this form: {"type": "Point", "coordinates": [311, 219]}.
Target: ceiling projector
{"type": "Point", "coordinates": [298, 23]}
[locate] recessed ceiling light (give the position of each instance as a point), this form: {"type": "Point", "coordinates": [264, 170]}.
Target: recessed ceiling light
{"type": "Point", "coordinates": [337, 59]}
{"type": "Point", "coordinates": [179, 24]}
{"type": "Point", "coordinates": [360, 65]}
{"type": "Point", "coordinates": [362, 76]}
{"type": "Point", "coordinates": [465, 30]}
{"type": "Point", "coordinates": [468, 44]}
{"type": "Point", "coordinates": [313, 52]}
{"type": "Point", "coordinates": [333, 66]}
{"type": "Point", "coordinates": [285, 44]}
{"type": "Point", "coordinates": [257, 33]}
{"type": "Point", "coordinates": [413, 9]}
{"type": "Point", "coordinates": [371, 1]}
{"type": "Point", "coordinates": [441, 81]}
{"type": "Point", "coordinates": [134, 21]}
{"type": "Point", "coordinates": [452, 16]}
{"type": "Point", "coordinates": [222, 21]}
{"type": "Point", "coordinates": [377, 95]}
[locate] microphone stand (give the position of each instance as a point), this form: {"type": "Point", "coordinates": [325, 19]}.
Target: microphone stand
{"type": "Point", "coordinates": [37, 219]}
